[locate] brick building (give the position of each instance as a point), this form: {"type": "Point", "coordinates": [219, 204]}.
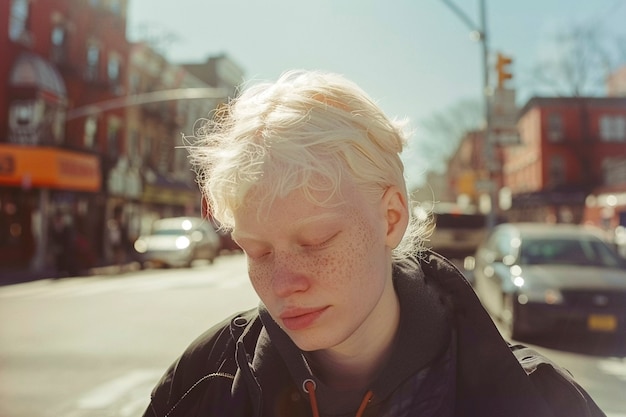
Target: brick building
{"type": "Point", "coordinates": [570, 147]}
{"type": "Point", "coordinates": [77, 138]}
{"type": "Point", "coordinates": [58, 55]}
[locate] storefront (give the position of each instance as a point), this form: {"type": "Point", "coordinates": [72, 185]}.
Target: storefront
{"type": "Point", "coordinates": [35, 184]}
{"type": "Point", "coordinates": [165, 197]}
{"type": "Point", "coordinates": [548, 206]}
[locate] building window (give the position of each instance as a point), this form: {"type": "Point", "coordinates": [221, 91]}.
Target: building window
{"type": "Point", "coordinates": [25, 120]}
{"type": "Point", "coordinates": [91, 128]}
{"type": "Point", "coordinates": [133, 146]}
{"type": "Point", "coordinates": [557, 170]}
{"type": "Point", "coordinates": [93, 61]}
{"type": "Point", "coordinates": [113, 137]}
{"type": "Point", "coordinates": [113, 68]}
{"type": "Point", "coordinates": [613, 128]}
{"type": "Point", "coordinates": [58, 37]}
{"type": "Point", "coordinates": [18, 20]}
{"type": "Point", "coordinates": [614, 171]}
{"type": "Point", "coordinates": [116, 6]}
{"type": "Point", "coordinates": [555, 127]}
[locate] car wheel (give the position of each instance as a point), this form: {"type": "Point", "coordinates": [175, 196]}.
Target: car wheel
{"type": "Point", "coordinates": [509, 318]}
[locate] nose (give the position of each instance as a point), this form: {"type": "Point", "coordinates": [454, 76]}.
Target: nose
{"type": "Point", "coordinates": [287, 277]}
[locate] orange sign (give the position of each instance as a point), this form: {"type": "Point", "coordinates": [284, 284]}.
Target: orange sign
{"type": "Point", "coordinates": [25, 166]}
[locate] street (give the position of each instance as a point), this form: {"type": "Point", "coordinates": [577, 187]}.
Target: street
{"type": "Point", "coordinates": [95, 346]}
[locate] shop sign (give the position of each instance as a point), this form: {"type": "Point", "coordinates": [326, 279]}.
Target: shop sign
{"type": "Point", "coordinates": [162, 195]}
{"type": "Point", "coordinates": [49, 168]}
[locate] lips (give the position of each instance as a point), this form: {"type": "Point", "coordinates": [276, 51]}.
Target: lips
{"type": "Point", "coordinates": [298, 319]}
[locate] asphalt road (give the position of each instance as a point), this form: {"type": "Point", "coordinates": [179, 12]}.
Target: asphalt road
{"type": "Point", "coordinates": [95, 346]}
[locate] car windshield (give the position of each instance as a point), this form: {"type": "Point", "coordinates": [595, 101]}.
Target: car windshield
{"type": "Point", "coordinates": [583, 252]}
{"type": "Point", "coordinates": [170, 232]}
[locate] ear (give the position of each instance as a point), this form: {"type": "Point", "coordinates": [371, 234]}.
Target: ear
{"type": "Point", "coordinates": [396, 213]}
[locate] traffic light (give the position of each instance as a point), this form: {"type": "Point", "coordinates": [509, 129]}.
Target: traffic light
{"type": "Point", "coordinates": [504, 73]}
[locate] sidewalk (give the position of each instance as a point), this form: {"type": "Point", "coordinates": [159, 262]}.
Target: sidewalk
{"type": "Point", "coordinates": [15, 276]}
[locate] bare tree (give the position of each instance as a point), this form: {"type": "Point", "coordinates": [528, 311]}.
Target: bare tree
{"type": "Point", "coordinates": [445, 129]}
{"type": "Point", "coordinates": [582, 56]}
{"type": "Point", "coordinates": [438, 136]}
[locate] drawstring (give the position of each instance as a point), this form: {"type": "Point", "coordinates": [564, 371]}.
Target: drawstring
{"type": "Point", "coordinates": [309, 388]}
{"type": "Point", "coordinates": [366, 399]}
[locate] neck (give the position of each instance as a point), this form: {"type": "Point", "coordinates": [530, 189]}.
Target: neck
{"type": "Point", "coordinates": [355, 363]}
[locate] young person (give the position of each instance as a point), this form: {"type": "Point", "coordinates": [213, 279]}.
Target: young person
{"type": "Point", "coordinates": [356, 317]}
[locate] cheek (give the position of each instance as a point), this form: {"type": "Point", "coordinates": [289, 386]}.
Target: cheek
{"type": "Point", "coordinates": [260, 276]}
{"type": "Point", "coordinates": [357, 260]}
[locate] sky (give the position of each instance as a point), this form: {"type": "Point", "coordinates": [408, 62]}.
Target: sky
{"type": "Point", "coordinates": [414, 57]}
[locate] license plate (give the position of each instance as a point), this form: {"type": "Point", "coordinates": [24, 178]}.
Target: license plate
{"type": "Point", "coordinates": [602, 322]}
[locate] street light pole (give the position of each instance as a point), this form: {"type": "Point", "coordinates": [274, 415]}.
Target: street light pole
{"type": "Point", "coordinates": [480, 33]}
{"type": "Point", "coordinates": [146, 98]}
{"type": "Point", "coordinates": [492, 160]}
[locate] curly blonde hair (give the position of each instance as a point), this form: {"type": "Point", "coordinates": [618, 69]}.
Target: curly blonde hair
{"type": "Point", "coordinates": [309, 130]}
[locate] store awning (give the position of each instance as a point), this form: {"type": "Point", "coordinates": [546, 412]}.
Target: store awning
{"type": "Point", "coordinates": [30, 70]}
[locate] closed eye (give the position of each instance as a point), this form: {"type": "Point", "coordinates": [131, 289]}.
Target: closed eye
{"type": "Point", "coordinates": [254, 250]}
{"type": "Point", "coordinates": [322, 244]}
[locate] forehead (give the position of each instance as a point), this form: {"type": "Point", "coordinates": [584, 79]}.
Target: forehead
{"type": "Point", "coordinates": [298, 209]}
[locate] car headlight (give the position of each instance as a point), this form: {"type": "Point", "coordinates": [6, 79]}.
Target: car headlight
{"type": "Point", "coordinates": [527, 293]}
{"type": "Point", "coordinates": [547, 296]}
{"type": "Point", "coordinates": [141, 246]}
{"type": "Point", "coordinates": [196, 236]}
{"type": "Point", "coordinates": [182, 242]}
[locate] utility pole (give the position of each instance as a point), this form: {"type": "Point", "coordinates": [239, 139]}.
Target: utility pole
{"type": "Point", "coordinates": [479, 33]}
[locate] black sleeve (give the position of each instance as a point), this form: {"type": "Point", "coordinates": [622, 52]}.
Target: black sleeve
{"type": "Point", "coordinates": [562, 393]}
{"type": "Point", "coordinates": [211, 352]}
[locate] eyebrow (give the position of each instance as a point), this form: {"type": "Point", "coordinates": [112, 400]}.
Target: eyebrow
{"type": "Point", "coordinates": [300, 223]}
{"type": "Point", "coordinates": [305, 221]}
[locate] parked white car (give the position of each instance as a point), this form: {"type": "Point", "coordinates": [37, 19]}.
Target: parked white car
{"type": "Point", "coordinates": [177, 242]}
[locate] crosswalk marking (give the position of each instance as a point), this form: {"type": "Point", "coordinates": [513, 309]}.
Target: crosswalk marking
{"type": "Point", "coordinates": [112, 391]}
{"type": "Point", "coordinates": [127, 395]}
{"type": "Point", "coordinates": [614, 366]}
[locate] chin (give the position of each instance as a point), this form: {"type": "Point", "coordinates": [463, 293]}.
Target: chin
{"type": "Point", "coordinates": [307, 344]}
{"type": "Point", "coordinates": [311, 342]}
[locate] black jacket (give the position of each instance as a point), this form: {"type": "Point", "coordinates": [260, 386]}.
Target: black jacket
{"type": "Point", "coordinates": [239, 367]}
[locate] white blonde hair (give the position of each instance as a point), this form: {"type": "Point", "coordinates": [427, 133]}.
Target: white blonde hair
{"type": "Point", "coordinates": [309, 130]}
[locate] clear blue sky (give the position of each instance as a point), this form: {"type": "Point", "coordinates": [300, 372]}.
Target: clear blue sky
{"type": "Point", "coordinates": [414, 57]}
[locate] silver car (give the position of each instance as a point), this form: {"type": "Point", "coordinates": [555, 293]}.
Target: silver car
{"type": "Point", "coordinates": [177, 242]}
{"type": "Point", "coordinates": [539, 278]}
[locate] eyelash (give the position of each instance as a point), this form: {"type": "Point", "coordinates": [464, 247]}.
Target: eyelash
{"type": "Point", "coordinates": [322, 244]}
{"type": "Point", "coordinates": [316, 246]}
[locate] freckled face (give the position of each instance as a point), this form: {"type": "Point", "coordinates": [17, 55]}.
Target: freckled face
{"type": "Point", "coordinates": [321, 272]}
